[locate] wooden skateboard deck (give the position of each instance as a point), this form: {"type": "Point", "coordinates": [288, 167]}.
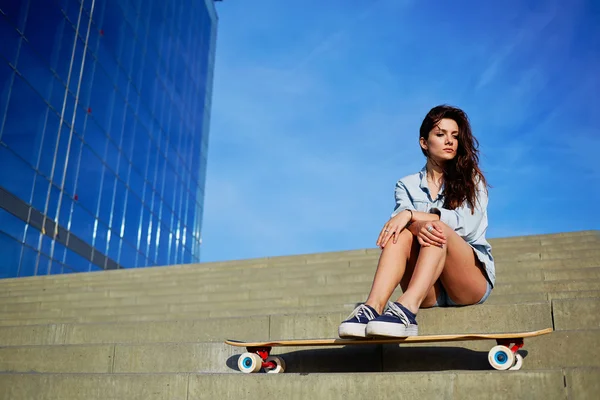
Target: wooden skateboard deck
{"type": "Point", "coordinates": [501, 357]}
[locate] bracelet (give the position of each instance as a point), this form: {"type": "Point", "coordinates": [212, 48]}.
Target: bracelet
{"type": "Point", "coordinates": [410, 220]}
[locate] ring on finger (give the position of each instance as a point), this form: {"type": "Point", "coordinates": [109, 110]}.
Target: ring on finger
{"type": "Point", "coordinates": [387, 230]}
{"type": "Point", "coordinates": [430, 229]}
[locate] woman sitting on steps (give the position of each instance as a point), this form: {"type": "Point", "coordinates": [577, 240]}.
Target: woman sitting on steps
{"type": "Point", "coordinates": [434, 245]}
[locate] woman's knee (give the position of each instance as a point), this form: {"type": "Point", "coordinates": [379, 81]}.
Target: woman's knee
{"type": "Point", "coordinates": [403, 245]}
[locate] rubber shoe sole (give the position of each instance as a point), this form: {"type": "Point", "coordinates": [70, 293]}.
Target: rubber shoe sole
{"type": "Point", "coordinates": [390, 329]}
{"type": "Point", "coordinates": [352, 329]}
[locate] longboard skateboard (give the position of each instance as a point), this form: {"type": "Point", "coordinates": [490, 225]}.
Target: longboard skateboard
{"type": "Point", "coordinates": [503, 356]}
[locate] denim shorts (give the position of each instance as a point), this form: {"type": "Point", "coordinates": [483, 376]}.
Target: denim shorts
{"type": "Point", "coordinates": [444, 300]}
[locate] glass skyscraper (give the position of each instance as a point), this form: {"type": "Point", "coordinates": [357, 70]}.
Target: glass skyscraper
{"type": "Point", "coordinates": [104, 119]}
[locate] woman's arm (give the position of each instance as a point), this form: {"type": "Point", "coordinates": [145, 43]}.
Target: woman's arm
{"type": "Point", "coordinates": [423, 216]}
{"type": "Point", "coordinates": [468, 225]}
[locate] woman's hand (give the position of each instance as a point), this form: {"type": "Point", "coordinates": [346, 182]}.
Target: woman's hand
{"type": "Point", "coordinates": [428, 233]}
{"type": "Point", "coordinates": [393, 228]}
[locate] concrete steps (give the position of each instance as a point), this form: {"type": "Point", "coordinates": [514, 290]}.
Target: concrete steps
{"type": "Point", "coordinates": [583, 351]}
{"type": "Point", "coordinates": [313, 286]}
{"type": "Point", "coordinates": [158, 332]}
{"type": "Point", "coordinates": [543, 384]}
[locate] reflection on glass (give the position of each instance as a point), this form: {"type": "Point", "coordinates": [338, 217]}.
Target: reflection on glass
{"type": "Point", "coordinates": [134, 158]}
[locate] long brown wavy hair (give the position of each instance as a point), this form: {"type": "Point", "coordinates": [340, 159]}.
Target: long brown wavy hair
{"type": "Point", "coordinates": [462, 173]}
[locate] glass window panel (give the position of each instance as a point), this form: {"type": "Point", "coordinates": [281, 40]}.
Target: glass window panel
{"type": "Point", "coordinates": [63, 54]}
{"type": "Point", "coordinates": [67, 270]}
{"type": "Point", "coordinates": [128, 254]}
{"type": "Point", "coordinates": [6, 78]}
{"type": "Point", "coordinates": [81, 119]}
{"type": "Point", "coordinates": [73, 165]}
{"type": "Point", "coordinates": [71, 8]}
{"type": "Point", "coordinates": [101, 237]}
{"type": "Point", "coordinates": [138, 60]}
{"type": "Point", "coordinates": [32, 236]}
{"type": "Point", "coordinates": [128, 133]}
{"type": "Point", "coordinates": [95, 138]}
{"type": "Point", "coordinates": [142, 242]}
{"type": "Point", "coordinates": [11, 225]}
{"type": "Point", "coordinates": [14, 11]}
{"type": "Point", "coordinates": [122, 83]}
{"type": "Point", "coordinates": [10, 39]}
{"type": "Point", "coordinates": [136, 183]}
{"type": "Point", "coordinates": [69, 107]}
{"type": "Point", "coordinates": [187, 256]}
{"type": "Point", "coordinates": [52, 202]}
{"type": "Point", "coordinates": [112, 156]}
{"type": "Point", "coordinates": [61, 155]}
{"type": "Point", "coordinates": [102, 97]}
{"type": "Point", "coordinates": [94, 34]}
{"type": "Point", "coordinates": [116, 126]}
{"type": "Point", "coordinates": [113, 246]}
{"type": "Point", "coordinates": [34, 70]}
{"type": "Point", "coordinates": [89, 180]}
{"type": "Point", "coordinates": [85, 91]}
{"type": "Point", "coordinates": [77, 61]}
{"type": "Point", "coordinates": [124, 168]}
{"type": "Point", "coordinates": [59, 251]}
{"type": "Point", "coordinates": [24, 122]}
{"type": "Point", "coordinates": [43, 27]}
{"type": "Point", "coordinates": [64, 218]}
{"type": "Point", "coordinates": [96, 268]}
{"type": "Point", "coordinates": [46, 244]}
{"type": "Point", "coordinates": [43, 265]}
{"type": "Point", "coordinates": [113, 21]}
{"type": "Point", "coordinates": [169, 187]}
{"type": "Point", "coordinates": [148, 195]}
{"type": "Point", "coordinates": [28, 261]}
{"type": "Point", "coordinates": [82, 224]}
{"type": "Point", "coordinates": [154, 235]}
{"type": "Point", "coordinates": [106, 199]}
{"type": "Point", "coordinates": [108, 61]}
{"type": "Point", "coordinates": [57, 96]}
{"type": "Point", "coordinates": [16, 175]}
{"type": "Point", "coordinates": [159, 183]}
{"type": "Point", "coordinates": [141, 261]}
{"type": "Point", "coordinates": [56, 268]}
{"type": "Point", "coordinates": [163, 248]}
{"type": "Point", "coordinates": [152, 163]}
{"type": "Point", "coordinates": [127, 49]}
{"type": "Point", "coordinates": [75, 262]}
{"type": "Point", "coordinates": [48, 148]}
{"type": "Point", "coordinates": [119, 207]}
{"type": "Point", "coordinates": [132, 219]}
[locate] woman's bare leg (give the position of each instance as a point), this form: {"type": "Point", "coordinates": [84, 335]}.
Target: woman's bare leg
{"type": "Point", "coordinates": [396, 263]}
{"type": "Point", "coordinates": [454, 265]}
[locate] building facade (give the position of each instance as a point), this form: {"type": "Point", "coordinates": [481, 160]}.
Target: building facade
{"type": "Point", "coordinates": [104, 124]}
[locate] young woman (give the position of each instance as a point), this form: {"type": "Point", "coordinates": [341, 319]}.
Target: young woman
{"type": "Point", "coordinates": [434, 245]}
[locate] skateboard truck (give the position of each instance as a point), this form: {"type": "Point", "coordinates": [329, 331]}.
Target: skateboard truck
{"type": "Point", "coordinates": [264, 353]}
{"type": "Point", "coordinates": [258, 358]}
{"type": "Point", "coordinates": [504, 356]}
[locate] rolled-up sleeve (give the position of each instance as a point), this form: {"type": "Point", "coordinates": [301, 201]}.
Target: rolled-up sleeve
{"type": "Point", "coordinates": [469, 226]}
{"type": "Point", "coordinates": [403, 201]}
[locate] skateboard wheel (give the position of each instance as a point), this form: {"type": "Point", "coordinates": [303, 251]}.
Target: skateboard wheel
{"type": "Point", "coordinates": [280, 365]}
{"type": "Point", "coordinates": [249, 363]}
{"type": "Point", "coordinates": [501, 358]}
{"type": "Point", "coordinates": [518, 363]}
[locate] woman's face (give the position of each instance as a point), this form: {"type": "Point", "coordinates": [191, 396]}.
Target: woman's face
{"type": "Point", "coordinates": [442, 142]}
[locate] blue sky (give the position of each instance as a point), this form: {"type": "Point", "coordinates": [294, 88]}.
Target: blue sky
{"type": "Point", "coordinates": [317, 106]}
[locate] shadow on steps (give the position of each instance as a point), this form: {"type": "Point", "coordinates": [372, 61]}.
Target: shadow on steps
{"type": "Point", "coordinates": [381, 358]}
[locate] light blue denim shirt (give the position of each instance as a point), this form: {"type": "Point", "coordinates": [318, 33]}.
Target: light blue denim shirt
{"type": "Point", "coordinates": [412, 193]}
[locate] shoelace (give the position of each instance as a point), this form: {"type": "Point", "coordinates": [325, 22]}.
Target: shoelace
{"type": "Point", "coordinates": [396, 311]}
{"type": "Point", "coordinates": [361, 311]}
